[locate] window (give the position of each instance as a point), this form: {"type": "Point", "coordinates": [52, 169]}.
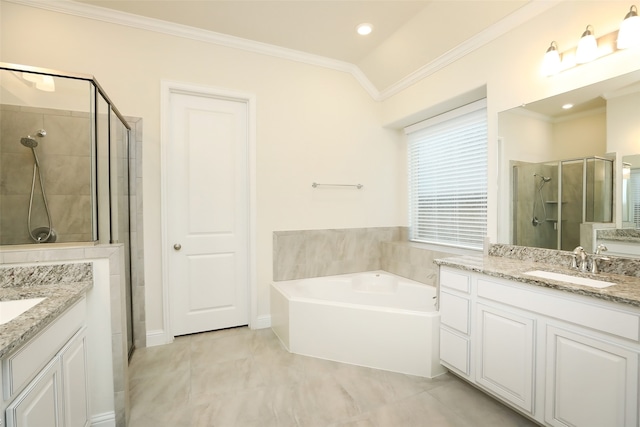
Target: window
{"type": "Point", "coordinates": [448, 178]}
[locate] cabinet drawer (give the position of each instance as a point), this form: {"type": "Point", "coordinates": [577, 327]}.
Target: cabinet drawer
{"type": "Point", "coordinates": [454, 312]}
{"type": "Point", "coordinates": [20, 367]}
{"type": "Point", "coordinates": [454, 351]}
{"type": "Point", "coordinates": [452, 280]}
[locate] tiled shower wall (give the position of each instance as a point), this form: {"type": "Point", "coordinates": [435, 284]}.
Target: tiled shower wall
{"type": "Point", "coordinates": [314, 253]}
{"type": "Point", "coordinates": [65, 158]}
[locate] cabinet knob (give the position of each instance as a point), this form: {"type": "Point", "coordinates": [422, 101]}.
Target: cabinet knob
{"type": "Point", "coordinates": [177, 246]}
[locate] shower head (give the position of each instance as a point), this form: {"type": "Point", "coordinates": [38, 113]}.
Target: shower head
{"type": "Point", "coordinates": [29, 142]}
{"type": "Point", "coordinates": [544, 178]}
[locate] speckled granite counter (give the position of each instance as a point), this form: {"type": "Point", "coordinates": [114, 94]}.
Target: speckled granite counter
{"type": "Point", "coordinates": [61, 284]}
{"type": "Point", "coordinates": [621, 235]}
{"type": "Point", "coordinates": [626, 291]}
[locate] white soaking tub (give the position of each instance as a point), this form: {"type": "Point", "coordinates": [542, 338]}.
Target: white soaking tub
{"type": "Point", "coordinates": [374, 319]}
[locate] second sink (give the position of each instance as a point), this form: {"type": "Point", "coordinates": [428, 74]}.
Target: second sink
{"type": "Point", "coordinates": [584, 281]}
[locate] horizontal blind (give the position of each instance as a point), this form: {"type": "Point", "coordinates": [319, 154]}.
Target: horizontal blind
{"type": "Point", "coordinates": [634, 195]}
{"type": "Point", "coordinates": [448, 179]}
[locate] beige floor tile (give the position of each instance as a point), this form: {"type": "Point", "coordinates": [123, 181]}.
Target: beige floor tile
{"type": "Point", "coordinates": [243, 378]}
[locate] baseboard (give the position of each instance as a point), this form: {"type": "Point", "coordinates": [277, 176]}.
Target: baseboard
{"type": "Point", "coordinates": [157, 337]}
{"type": "Point", "coordinates": [262, 322]}
{"type": "Point", "coordinates": [107, 419]}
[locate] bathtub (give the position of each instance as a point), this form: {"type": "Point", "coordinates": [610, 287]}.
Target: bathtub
{"type": "Point", "coordinates": [374, 319]}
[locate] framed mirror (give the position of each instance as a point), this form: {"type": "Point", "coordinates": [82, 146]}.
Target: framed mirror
{"type": "Point", "coordinates": [561, 166]}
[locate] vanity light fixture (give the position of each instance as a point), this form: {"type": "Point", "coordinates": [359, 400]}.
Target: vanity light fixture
{"type": "Point", "coordinates": [587, 47]}
{"type": "Point", "coordinates": [629, 34]}
{"type": "Point", "coordinates": [551, 62]}
{"type": "Point", "coordinates": [364, 29]}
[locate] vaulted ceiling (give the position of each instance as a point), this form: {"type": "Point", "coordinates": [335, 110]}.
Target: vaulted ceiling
{"type": "Point", "coordinates": [407, 34]}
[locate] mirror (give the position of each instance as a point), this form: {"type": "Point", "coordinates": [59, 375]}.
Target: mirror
{"type": "Point", "coordinates": [561, 169]}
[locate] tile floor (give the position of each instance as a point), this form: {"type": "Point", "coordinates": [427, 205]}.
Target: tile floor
{"type": "Point", "coordinates": [244, 378]}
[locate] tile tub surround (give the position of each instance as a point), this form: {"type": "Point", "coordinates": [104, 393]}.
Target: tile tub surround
{"type": "Point", "coordinates": [626, 291]}
{"type": "Point", "coordinates": [616, 265]}
{"type": "Point", "coordinates": [411, 260]}
{"type": "Point", "coordinates": [303, 254]}
{"type": "Point", "coordinates": [61, 285]}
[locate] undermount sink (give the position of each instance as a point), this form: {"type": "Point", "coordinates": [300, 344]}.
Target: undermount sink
{"type": "Point", "coordinates": [9, 310]}
{"type": "Point", "coordinates": [570, 279]}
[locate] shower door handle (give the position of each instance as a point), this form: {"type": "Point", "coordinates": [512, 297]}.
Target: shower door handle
{"type": "Point", "coordinates": [177, 246]}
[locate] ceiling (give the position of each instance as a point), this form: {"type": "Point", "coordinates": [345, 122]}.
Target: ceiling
{"type": "Point", "coordinates": [406, 36]}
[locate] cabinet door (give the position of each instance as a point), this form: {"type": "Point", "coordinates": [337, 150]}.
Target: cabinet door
{"type": "Point", "coordinates": [505, 355]}
{"type": "Point", "coordinates": [39, 404]}
{"type": "Point", "coordinates": [74, 385]}
{"type": "Point", "coordinates": [590, 382]}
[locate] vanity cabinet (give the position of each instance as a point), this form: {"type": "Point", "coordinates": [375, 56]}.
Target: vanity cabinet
{"type": "Point", "coordinates": [45, 380]}
{"type": "Point", "coordinates": [561, 358]}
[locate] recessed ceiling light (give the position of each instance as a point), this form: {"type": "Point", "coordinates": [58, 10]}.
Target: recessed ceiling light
{"type": "Point", "coordinates": [567, 106]}
{"type": "Point", "coordinates": [364, 29]}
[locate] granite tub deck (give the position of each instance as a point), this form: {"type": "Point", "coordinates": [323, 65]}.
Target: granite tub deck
{"type": "Point", "coordinates": [61, 285]}
{"type": "Point", "coordinates": [626, 290]}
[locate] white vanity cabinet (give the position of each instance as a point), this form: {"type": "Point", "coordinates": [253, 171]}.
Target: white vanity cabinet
{"type": "Point", "coordinates": [561, 358]}
{"type": "Point", "coordinates": [45, 380]}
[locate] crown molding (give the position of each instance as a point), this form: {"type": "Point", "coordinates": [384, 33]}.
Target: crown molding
{"type": "Point", "coordinates": [511, 21]}
{"type": "Point", "coordinates": [521, 15]}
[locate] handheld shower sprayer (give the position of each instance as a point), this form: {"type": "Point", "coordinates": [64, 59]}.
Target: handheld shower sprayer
{"type": "Point", "coordinates": [42, 234]}
{"type": "Point", "coordinates": [543, 180]}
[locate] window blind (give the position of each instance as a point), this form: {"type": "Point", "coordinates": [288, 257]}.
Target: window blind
{"type": "Point", "coordinates": [634, 196]}
{"type": "Point", "coordinates": [448, 178]}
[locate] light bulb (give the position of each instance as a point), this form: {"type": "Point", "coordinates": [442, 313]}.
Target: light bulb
{"type": "Point", "coordinates": [587, 47]}
{"type": "Point", "coordinates": [551, 61]}
{"type": "Point", "coordinates": [629, 34]}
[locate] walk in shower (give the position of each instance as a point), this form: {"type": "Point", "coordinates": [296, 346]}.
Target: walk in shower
{"type": "Point", "coordinates": [552, 199]}
{"type": "Point", "coordinates": [64, 163]}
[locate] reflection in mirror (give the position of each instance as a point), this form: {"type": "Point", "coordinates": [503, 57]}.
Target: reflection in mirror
{"type": "Point", "coordinates": [631, 191]}
{"type": "Point", "coordinates": [560, 168]}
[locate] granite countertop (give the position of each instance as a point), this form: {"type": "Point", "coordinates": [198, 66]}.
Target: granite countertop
{"type": "Point", "coordinates": [62, 285]}
{"type": "Point", "coordinates": [629, 235]}
{"type": "Point", "coordinates": [626, 290]}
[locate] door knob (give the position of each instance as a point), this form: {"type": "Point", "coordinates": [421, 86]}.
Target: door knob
{"type": "Point", "coordinates": [177, 246]}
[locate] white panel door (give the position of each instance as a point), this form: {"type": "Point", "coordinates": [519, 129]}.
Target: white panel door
{"type": "Point", "coordinates": [207, 217]}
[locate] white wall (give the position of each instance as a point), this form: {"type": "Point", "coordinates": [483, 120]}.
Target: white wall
{"type": "Point", "coordinates": [509, 66]}
{"type": "Point", "coordinates": [313, 124]}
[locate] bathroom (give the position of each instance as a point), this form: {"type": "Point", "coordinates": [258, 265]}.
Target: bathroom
{"type": "Point", "coordinates": [301, 110]}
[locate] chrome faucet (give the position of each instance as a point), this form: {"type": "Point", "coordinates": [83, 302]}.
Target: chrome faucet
{"type": "Point", "coordinates": [579, 259]}
{"type": "Point", "coordinates": [597, 257]}
{"type": "Point", "coordinates": [585, 262]}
